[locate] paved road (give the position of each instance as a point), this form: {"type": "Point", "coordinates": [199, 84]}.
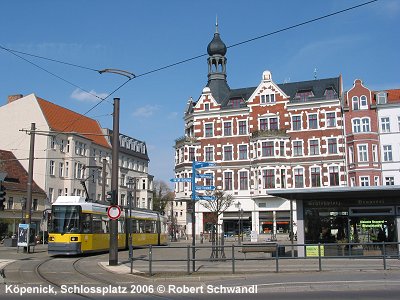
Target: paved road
{"type": "Point", "coordinates": [90, 276]}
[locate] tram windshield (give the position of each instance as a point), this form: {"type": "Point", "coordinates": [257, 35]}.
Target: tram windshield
{"type": "Point", "coordinates": [65, 219]}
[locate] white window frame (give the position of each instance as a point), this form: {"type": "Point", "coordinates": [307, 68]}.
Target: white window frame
{"type": "Point", "coordinates": [52, 168]}
{"type": "Point", "coordinates": [355, 104]}
{"type": "Point", "coordinates": [223, 152]}
{"type": "Point", "coordinates": [61, 169]}
{"type": "Point", "coordinates": [387, 152]}
{"type": "Point", "coordinates": [351, 155]}
{"type": "Point", "coordinates": [292, 123]}
{"type": "Point", "coordinates": [389, 180]}
{"type": "Point", "coordinates": [308, 120]}
{"type": "Point", "coordinates": [205, 153]}
{"type": "Point", "coordinates": [294, 176]}
{"type": "Point", "coordinates": [231, 128]}
{"type": "Point", "coordinates": [362, 153]}
{"type": "Point", "coordinates": [232, 183]}
{"type": "Point", "coordinates": [302, 148]}
{"type": "Point", "coordinates": [247, 151]}
{"type": "Point", "coordinates": [267, 98]}
{"type": "Point", "coordinates": [375, 153]}
{"type": "Point", "coordinates": [356, 124]}
{"type": "Point", "coordinates": [364, 181]}
{"type": "Point", "coordinates": [366, 125]}
{"type": "Point", "coordinates": [212, 129]}
{"type": "Point", "coordinates": [309, 147]}
{"type": "Point", "coordinates": [385, 124]}
{"type": "Point", "coordinates": [363, 102]}
{"type": "Point", "coordinates": [238, 127]}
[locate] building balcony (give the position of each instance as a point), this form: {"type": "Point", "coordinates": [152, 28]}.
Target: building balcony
{"type": "Point", "coordinates": [269, 133]}
{"type": "Point", "coordinates": [185, 140]}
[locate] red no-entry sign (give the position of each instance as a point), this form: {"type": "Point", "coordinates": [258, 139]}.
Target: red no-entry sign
{"type": "Point", "coordinates": [114, 212]}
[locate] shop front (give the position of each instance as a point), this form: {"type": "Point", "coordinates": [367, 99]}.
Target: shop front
{"type": "Point", "coordinates": [346, 215]}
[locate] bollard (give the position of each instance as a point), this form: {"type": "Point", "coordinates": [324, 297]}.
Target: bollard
{"type": "Point", "coordinates": [277, 258]}
{"type": "Point", "coordinates": [233, 259]}
{"type": "Point", "coordinates": [319, 257]}
{"type": "Point", "coordinates": [384, 255]}
{"type": "Point", "coordinates": [188, 259]}
{"type": "Point", "coordinates": [150, 260]}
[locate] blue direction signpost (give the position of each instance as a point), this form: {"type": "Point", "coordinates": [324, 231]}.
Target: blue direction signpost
{"type": "Point", "coordinates": [205, 198]}
{"type": "Point", "coordinates": [204, 187]}
{"type": "Point", "coordinates": [197, 165]}
{"type": "Point", "coordinates": [180, 179]}
{"type": "Point", "coordinates": [206, 176]}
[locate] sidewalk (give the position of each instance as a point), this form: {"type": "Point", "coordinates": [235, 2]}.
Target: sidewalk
{"type": "Point", "coordinates": [167, 262]}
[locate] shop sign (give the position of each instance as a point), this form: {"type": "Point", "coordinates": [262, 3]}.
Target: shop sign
{"type": "Point", "coordinates": [371, 223]}
{"type": "Point", "coordinates": [312, 251]}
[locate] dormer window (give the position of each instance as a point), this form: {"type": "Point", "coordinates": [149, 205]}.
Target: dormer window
{"type": "Point", "coordinates": [303, 95]}
{"type": "Point", "coordinates": [330, 93]}
{"type": "Point", "coordinates": [381, 98]}
{"type": "Point", "coordinates": [235, 103]}
{"type": "Point", "coordinates": [268, 98]}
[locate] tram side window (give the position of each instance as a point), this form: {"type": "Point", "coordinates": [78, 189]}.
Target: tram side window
{"type": "Point", "coordinates": [134, 226]}
{"type": "Point", "coordinates": [104, 224]}
{"type": "Point", "coordinates": [150, 226]}
{"type": "Point", "coordinates": [100, 224]}
{"type": "Point", "coordinates": [121, 226]}
{"type": "Point", "coordinates": [142, 226]}
{"type": "Point", "coordinates": [86, 223]}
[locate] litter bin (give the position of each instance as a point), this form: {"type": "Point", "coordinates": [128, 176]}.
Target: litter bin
{"type": "Point", "coordinates": [10, 242]}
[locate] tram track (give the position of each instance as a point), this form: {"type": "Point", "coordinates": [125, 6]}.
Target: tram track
{"type": "Point", "coordinates": [51, 281]}
{"type": "Point", "coordinates": [73, 277]}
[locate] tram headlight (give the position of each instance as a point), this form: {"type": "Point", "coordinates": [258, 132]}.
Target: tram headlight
{"type": "Point", "coordinates": [51, 239]}
{"type": "Point", "coordinates": [74, 238]}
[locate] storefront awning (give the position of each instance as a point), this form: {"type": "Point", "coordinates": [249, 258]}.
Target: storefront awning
{"type": "Point", "coordinates": [234, 218]}
{"type": "Point", "coordinates": [337, 193]}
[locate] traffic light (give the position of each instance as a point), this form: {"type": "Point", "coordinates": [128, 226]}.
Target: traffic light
{"type": "Point", "coordinates": [110, 197]}
{"type": "Point", "coordinates": [2, 196]}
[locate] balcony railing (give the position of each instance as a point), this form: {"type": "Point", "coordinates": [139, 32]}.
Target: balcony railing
{"type": "Point", "coordinates": [185, 140]}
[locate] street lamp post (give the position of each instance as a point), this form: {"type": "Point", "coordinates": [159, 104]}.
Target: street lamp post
{"type": "Point", "coordinates": [23, 205]}
{"type": "Point", "coordinates": [240, 210]}
{"type": "Point", "coordinates": [113, 253]}
{"type": "Point", "coordinates": [132, 181]}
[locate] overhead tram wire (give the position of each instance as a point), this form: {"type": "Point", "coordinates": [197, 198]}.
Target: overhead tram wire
{"type": "Point", "coordinates": [261, 36]}
{"type": "Point", "coordinates": [14, 52]}
{"type": "Point", "coordinates": [49, 59]}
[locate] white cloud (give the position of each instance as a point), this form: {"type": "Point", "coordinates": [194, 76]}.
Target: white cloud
{"type": "Point", "coordinates": [85, 96]}
{"type": "Point", "coordinates": [146, 111]}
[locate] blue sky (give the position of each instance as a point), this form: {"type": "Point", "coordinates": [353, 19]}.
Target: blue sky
{"type": "Point", "coordinates": [141, 36]}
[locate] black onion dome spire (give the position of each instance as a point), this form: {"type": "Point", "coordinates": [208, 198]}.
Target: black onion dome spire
{"type": "Point", "coordinates": [216, 46]}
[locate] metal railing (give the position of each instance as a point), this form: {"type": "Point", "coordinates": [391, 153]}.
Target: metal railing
{"type": "Point", "coordinates": [235, 254]}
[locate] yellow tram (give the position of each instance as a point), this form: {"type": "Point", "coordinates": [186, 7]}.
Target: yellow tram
{"type": "Point", "coordinates": [78, 226]}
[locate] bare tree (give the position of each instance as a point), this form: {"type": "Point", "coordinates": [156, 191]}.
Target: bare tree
{"type": "Point", "coordinates": [162, 194]}
{"type": "Point", "coordinates": [217, 207]}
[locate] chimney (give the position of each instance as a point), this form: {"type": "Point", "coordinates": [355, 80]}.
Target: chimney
{"type": "Point", "coordinates": [13, 98]}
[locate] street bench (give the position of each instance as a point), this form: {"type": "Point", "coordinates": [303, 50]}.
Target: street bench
{"type": "Point", "coordinates": [258, 247]}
